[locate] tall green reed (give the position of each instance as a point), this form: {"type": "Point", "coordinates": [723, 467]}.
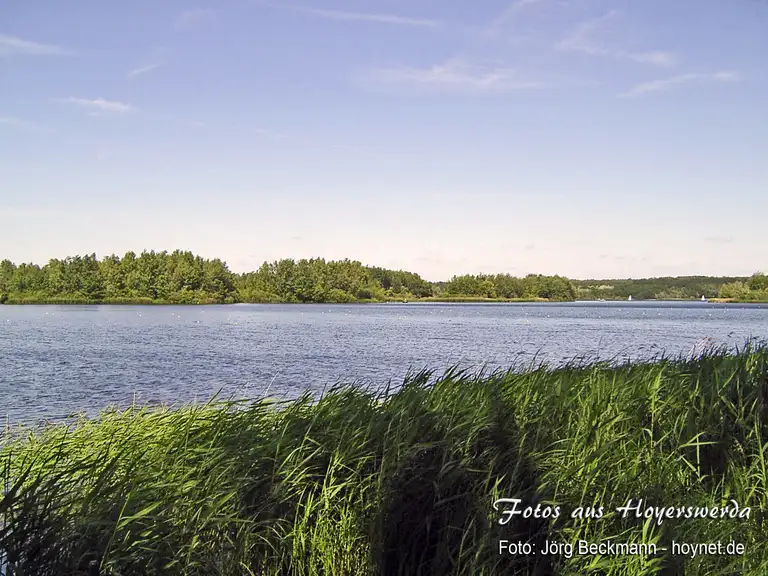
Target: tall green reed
{"type": "Point", "coordinates": [359, 482]}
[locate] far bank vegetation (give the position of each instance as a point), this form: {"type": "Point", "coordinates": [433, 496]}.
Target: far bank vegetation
{"type": "Point", "coordinates": [181, 277]}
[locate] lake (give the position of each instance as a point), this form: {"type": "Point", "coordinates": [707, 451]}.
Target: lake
{"type": "Point", "coordinates": [56, 360]}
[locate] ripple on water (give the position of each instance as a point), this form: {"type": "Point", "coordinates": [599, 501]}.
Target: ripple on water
{"type": "Point", "coordinates": [56, 363]}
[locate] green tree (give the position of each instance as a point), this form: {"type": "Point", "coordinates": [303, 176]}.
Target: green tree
{"type": "Point", "coordinates": [735, 290]}
{"type": "Point", "coordinates": [758, 281]}
{"type": "Point", "coordinates": [7, 269]}
{"type": "Point", "coordinates": [182, 277]}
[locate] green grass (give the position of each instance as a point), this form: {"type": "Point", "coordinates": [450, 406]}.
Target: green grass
{"type": "Point", "coordinates": [403, 483]}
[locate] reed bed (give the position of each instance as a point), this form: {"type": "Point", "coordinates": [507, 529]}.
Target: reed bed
{"type": "Point", "coordinates": [403, 483]}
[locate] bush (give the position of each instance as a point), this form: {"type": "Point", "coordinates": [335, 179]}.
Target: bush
{"type": "Point", "coordinates": [337, 296]}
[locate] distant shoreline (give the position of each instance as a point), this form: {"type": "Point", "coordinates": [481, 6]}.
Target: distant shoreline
{"type": "Point", "coordinates": [181, 277]}
{"type": "Point", "coordinates": [434, 300]}
{"type": "Point", "coordinates": [146, 302]}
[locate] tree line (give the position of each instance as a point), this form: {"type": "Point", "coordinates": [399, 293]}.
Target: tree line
{"type": "Point", "coordinates": [664, 288]}
{"type": "Point", "coordinates": [744, 288]}
{"type": "Point", "coordinates": [754, 288]}
{"type": "Point", "coordinates": [181, 277]}
{"type": "Point", "coordinates": [505, 286]}
{"type": "Point", "coordinates": [178, 277]}
{"type": "Point", "coordinates": [184, 278]}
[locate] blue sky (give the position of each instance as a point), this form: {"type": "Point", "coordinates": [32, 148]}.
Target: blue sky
{"type": "Point", "coordinates": [582, 137]}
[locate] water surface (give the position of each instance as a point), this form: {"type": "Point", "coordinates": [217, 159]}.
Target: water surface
{"type": "Point", "coordinates": [56, 360]}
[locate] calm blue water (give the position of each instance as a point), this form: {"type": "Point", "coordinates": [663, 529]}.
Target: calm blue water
{"type": "Point", "coordinates": [56, 360]}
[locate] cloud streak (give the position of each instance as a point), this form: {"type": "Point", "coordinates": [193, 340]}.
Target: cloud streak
{"type": "Point", "coordinates": [194, 17]}
{"type": "Point", "coordinates": [101, 105]}
{"type": "Point", "coordinates": [12, 45]}
{"type": "Point", "coordinates": [719, 239]}
{"type": "Point", "coordinates": [656, 58]}
{"type": "Point", "coordinates": [666, 84]}
{"type": "Point", "coordinates": [392, 19]}
{"type": "Point", "coordinates": [19, 124]}
{"type": "Point", "coordinates": [142, 70]}
{"type": "Point", "coordinates": [204, 125]}
{"type": "Point", "coordinates": [508, 14]}
{"type": "Point", "coordinates": [582, 39]}
{"type": "Point", "coordinates": [453, 75]}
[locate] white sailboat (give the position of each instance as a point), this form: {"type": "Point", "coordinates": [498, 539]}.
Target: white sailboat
{"type": "Point", "coordinates": [630, 298]}
{"type": "Point", "coordinates": [703, 298]}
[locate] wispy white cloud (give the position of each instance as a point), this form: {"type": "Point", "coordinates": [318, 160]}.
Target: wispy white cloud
{"type": "Point", "coordinates": [657, 58]}
{"type": "Point", "coordinates": [142, 70]}
{"type": "Point", "coordinates": [719, 239]}
{"type": "Point", "coordinates": [193, 17]}
{"type": "Point", "coordinates": [25, 125]}
{"type": "Point", "coordinates": [100, 105]}
{"type": "Point", "coordinates": [12, 45]}
{"type": "Point", "coordinates": [512, 10]}
{"type": "Point", "coordinates": [269, 134]}
{"type": "Point", "coordinates": [455, 74]}
{"type": "Point", "coordinates": [356, 150]}
{"type": "Point", "coordinates": [726, 76]}
{"type": "Point", "coordinates": [582, 39]}
{"type": "Point", "coordinates": [367, 17]}
{"type": "Point", "coordinates": [206, 125]}
{"type": "Point", "coordinates": [287, 139]}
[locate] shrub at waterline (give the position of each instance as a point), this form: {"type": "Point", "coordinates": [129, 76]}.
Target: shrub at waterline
{"type": "Point", "coordinates": [405, 483]}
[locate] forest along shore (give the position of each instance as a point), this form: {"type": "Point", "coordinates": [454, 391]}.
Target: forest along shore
{"type": "Point", "coordinates": [184, 278]}
{"type": "Point", "coordinates": [411, 482]}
